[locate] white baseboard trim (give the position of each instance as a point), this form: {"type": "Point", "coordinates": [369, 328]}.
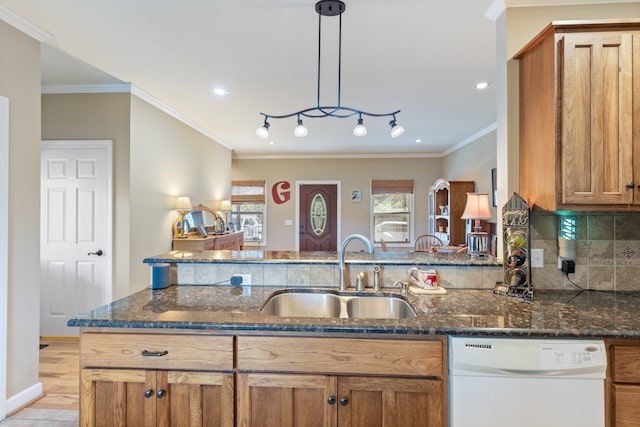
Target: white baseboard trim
{"type": "Point", "coordinates": [24, 397]}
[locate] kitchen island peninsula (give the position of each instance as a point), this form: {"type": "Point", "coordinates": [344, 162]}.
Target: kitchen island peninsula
{"type": "Point", "coordinates": [196, 353]}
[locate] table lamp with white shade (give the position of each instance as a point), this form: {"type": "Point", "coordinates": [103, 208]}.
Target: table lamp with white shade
{"type": "Point", "coordinates": [477, 208]}
{"type": "Point", "coordinates": [183, 205]}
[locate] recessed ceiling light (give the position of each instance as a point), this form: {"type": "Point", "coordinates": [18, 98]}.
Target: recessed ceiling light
{"type": "Point", "coordinates": [220, 91]}
{"type": "Point", "coordinates": [482, 85]}
{"type": "Point", "coordinates": [418, 140]}
{"type": "Point", "coordinates": [271, 143]}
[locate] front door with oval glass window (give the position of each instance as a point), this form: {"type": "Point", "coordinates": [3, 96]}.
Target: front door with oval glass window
{"type": "Point", "coordinates": [318, 217]}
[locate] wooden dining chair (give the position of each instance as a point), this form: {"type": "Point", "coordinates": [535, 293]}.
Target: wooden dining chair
{"type": "Point", "coordinates": [425, 242]}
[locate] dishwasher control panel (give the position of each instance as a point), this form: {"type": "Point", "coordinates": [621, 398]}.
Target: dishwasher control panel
{"type": "Point", "coordinates": [564, 355]}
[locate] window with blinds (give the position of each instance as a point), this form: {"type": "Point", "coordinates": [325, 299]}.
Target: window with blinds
{"type": "Point", "coordinates": [392, 210]}
{"type": "Point", "coordinates": [248, 210]}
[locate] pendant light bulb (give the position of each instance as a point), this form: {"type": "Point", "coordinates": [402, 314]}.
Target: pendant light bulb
{"type": "Point", "coordinates": [263, 131]}
{"type": "Point", "coordinates": [396, 130]}
{"type": "Point", "coordinates": [360, 129]}
{"type": "Point", "coordinates": [300, 130]}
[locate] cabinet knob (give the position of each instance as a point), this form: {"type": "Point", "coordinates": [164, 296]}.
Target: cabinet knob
{"type": "Point", "coordinates": [344, 401]}
{"type": "Point", "coordinates": [631, 185]}
{"type": "Point", "coordinates": [160, 393]}
{"type": "Point", "coordinates": [331, 400]}
{"type": "Point", "coordinates": [148, 393]}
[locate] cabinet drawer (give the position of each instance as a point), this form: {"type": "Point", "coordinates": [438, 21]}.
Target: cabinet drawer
{"type": "Point", "coordinates": [626, 363]}
{"type": "Point", "coordinates": [341, 356]}
{"type": "Point", "coordinates": [186, 352]}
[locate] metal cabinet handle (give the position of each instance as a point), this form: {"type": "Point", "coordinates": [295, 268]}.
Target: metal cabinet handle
{"type": "Point", "coordinates": [344, 401]}
{"type": "Point", "coordinates": [154, 353]}
{"type": "Point", "coordinates": [160, 394]}
{"type": "Point", "coordinates": [148, 393]}
{"type": "Point", "coordinates": [331, 400]}
{"type": "Point", "coordinates": [99, 252]}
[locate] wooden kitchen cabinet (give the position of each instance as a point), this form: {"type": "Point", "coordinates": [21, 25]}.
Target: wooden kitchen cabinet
{"type": "Point", "coordinates": [137, 397]}
{"type": "Point", "coordinates": [340, 382]}
{"type": "Point", "coordinates": [388, 401]}
{"type": "Point", "coordinates": [580, 116]}
{"type": "Point", "coordinates": [278, 399]}
{"type": "Point", "coordinates": [185, 380]}
{"type": "Point", "coordinates": [623, 383]}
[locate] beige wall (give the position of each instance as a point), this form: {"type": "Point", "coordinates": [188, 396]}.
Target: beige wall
{"type": "Point", "coordinates": [352, 173]}
{"type": "Point", "coordinates": [20, 82]}
{"type": "Point", "coordinates": [473, 162]}
{"type": "Point", "coordinates": [156, 158]}
{"type": "Point", "coordinates": [168, 159]}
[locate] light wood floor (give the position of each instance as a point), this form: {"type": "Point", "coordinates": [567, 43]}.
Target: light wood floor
{"type": "Point", "coordinates": [59, 374]}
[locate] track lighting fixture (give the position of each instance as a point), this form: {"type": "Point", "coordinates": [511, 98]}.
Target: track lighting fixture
{"type": "Point", "coordinates": [330, 8]}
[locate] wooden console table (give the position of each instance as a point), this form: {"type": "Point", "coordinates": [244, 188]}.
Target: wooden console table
{"type": "Point", "coordinates": [231, 241]}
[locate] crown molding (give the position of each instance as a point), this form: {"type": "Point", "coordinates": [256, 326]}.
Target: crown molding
{"type": "Point", "coordinates": [106, 88]}
{"type": "Point", "coordinates": [23, 25]}
{"type": "Point", "coordinates": [285, 156]}
{"type": "Point", "coordinates": [495, 9]}
{"type": "Point", "coordinates": [177, 115]}
{"type": "Point", "coordinates": [134, 90]}
{"type": "Point", "coordinates": [491, 128]}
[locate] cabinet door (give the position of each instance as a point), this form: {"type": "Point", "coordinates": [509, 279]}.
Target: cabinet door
{"type": "Point", "coordinates": [597, 118]}
{"type": "Point", "coordinates": [286, 400]}
{"type": "Point", "coordinates": [390, 402]}
{"type": "Point", "coordinates": [195, 399]}
{"type": "Point", "coordinates": [626, 412]}
{"type": "Point", "coordinates": [130, 397]}
{"type": "Point", "coordinates": [117, 397]}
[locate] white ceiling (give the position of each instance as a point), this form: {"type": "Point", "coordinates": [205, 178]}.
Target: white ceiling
{"type": "Point", "coordinates": [420, 56]}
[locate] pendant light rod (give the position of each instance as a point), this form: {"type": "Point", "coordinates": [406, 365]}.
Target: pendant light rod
{"type": "Point", "coordinates": [329, 8]}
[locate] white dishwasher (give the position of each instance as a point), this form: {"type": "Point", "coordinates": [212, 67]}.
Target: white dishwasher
{"type": "Point", "coordinates": [500, 382]}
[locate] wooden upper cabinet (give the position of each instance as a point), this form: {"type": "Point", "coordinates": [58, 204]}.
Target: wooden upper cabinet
{"type": "Point", "coordinates": [597, 118]}
{"type": "Point", "coordinates": [578, 144]}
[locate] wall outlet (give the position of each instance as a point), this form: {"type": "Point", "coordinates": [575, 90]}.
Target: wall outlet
{"type": "Point", "coordinates": [537, 258]}
{"type": "Point", "coordinates": [246, 278]}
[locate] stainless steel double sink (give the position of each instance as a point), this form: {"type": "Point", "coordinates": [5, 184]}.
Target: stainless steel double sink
{"type": "Point", "coordinates": [329, 303]}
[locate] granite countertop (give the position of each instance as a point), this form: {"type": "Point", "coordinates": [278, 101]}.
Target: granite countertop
{"type": "Point", "coordinates": [320, 257]}
{"type": "Point", "coordinates": [462, 312]}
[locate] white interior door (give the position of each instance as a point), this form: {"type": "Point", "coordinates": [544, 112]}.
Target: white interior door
{"type": "Point", "coordinates": [75, 231]}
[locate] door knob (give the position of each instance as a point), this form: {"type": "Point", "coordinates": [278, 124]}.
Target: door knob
{"type": "Point", "coordinates": [98, 252]}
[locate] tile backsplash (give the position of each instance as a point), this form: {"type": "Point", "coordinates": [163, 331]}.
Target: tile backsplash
{"type": "Point", "coordinates": [607, 255]}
